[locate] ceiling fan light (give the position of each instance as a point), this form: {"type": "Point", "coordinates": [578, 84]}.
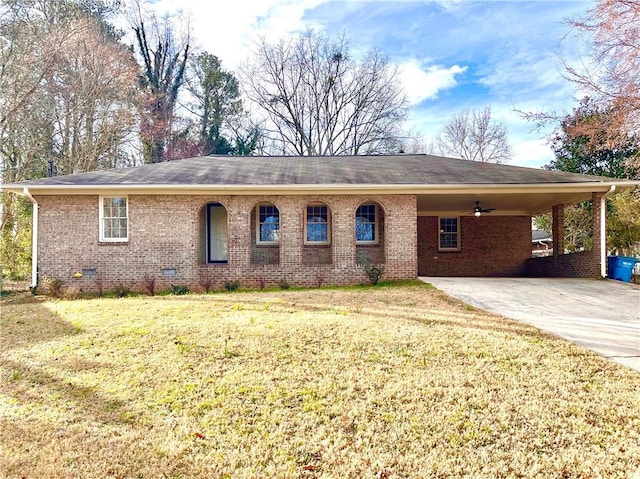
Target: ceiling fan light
{"type": "Point", "coordinates": [477, 213]}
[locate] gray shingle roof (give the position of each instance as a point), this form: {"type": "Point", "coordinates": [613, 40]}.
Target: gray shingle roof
{"type": "Point", "coordinates": [336, 170]}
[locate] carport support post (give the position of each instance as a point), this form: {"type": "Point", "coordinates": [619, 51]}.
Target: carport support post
{"type": "Point", "coordinates": [558, 230]}
{"type": "Point", "coordinates": [599, 219]}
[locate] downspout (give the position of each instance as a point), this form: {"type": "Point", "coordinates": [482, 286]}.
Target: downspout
{"type": "Point", "coordinates": [34, 238]}
{"type": "Point", "coordinates": [603, 231]}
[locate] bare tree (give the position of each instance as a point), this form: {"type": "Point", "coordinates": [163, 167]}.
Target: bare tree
{"type": "Point", "coordinates": [474, 136]}
{"type": "Point", "coordinates": [318, 100]}
{"type": "Point", "coordinates": [67, 88]}
{"type": "Point", "coordinates": [611, 76]}
{"type": "Point", "coordinates": [164, 59]}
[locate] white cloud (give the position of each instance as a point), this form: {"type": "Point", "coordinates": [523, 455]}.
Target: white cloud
{"type": "Point", "coordinates": [531, 153]}
{"type": "Point", "coordinates": [425, 83]}
{"type": "Point", "coordinates": [229, 29]}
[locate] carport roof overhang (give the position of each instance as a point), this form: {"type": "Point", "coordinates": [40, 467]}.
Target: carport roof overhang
{"type": "Point", "coordinates": [507, 199]}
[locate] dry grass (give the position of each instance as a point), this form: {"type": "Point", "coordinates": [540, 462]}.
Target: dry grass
{"type": "Point", "coordinates": [383, 382]}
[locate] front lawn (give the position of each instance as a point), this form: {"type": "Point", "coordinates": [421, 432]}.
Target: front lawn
{"type": "Point", "coordinates": [387, 382]}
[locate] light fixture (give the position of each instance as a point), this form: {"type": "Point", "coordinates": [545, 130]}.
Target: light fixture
{"type": "Point", "coordinates": [477, 213]}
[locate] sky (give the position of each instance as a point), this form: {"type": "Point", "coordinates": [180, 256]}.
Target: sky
{"type": "Point", "coordinates": [453, 55]}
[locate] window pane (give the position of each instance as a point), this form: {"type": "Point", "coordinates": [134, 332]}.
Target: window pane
{"type": "Point", "coordinates": [448, 233]}
{"type": "Point", "coordinates": [114, 218]}
{"type": "Point", "coordinates": [317, 224]}
{"type": "Point", "coordinates": [269, 227]}
{"type": "Point", "coordinates": [317, 211]}
{"type": "Point", "coordinates": [449, 240]}
{"type": "Point", "coordinates": [317, 231]}
{"type": "Point", "coordinates": [365, 230]}
{"type": "Point", "coordinates": [367, 212]}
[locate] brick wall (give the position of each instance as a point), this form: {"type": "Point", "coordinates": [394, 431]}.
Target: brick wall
{"type": "Point", "coordinates": [167, 232]}
{"type": "Point", "coordinates": [489, 246]}
{"type": "Point", "coordinates": [584, 264]}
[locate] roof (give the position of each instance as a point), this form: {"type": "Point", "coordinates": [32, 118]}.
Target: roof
{"type": "Point", "coordinates": [324, 170]}
{"type": "Point", "coordinates": [539, 235]}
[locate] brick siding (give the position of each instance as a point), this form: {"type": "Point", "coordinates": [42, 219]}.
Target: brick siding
{"type": "Point", "coordinates": [168, 232]}
{"type": "Point", "coordinates": [489, 246]}
{"type": "Point", "coordinates": [584, 264]}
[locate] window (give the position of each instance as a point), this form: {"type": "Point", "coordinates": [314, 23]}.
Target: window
{"type": "Point", "coordinates": [268, 221]}
{"type": "Point", "coordinates": [367, 224]}
{"type": "Point", "coordinates": [449, 234]}
{"type": "Point", "coordinates": [114, 219]}
{"type": "Point", "coordinates": [317, 225]}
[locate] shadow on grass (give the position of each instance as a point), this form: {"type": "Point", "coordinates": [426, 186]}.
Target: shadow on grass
{"type": "Point", "coordinates": [25, 324]}
{"type": "Point", "coordinates": [30, 384]}
{"type": "Point", "coordinates": [440, 309]}
{"type": "Point", "coordinates": [26, 321]}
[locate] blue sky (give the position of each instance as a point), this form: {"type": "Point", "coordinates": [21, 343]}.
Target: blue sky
{"type": "Point", "coordinates": [453, 54]}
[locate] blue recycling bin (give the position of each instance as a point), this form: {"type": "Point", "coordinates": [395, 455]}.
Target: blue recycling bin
{"type": "Point", "coordinates": [621, 267]}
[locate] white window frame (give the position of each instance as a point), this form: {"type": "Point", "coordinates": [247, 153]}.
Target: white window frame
{"type": "Point", "coordinates": [375, 224]}
{"type": "Point", "coordinates": [306, 222]}
{"type": "Point", "coordinates": [457, 218]}
{"type": "Point", "coordinates": [103, 238]}
{"type": "Point", "coordinates": [258, 225]}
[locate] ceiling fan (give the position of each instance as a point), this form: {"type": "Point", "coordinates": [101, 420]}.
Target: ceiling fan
{"type": "Point", "coordinates": [478, 210]}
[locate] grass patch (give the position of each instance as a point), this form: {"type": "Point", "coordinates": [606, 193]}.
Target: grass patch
{"type": "Point", "coordinates": [386, 381]}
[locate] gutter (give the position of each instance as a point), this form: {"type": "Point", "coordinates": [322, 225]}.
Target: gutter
{"type": "Point", "coordinates": [34, 238]}
{"type": "Point", "coordinates": [603, 231]}
{"type": "Point", "coordinates": [294, 189]}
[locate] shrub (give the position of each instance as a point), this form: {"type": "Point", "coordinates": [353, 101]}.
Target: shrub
{"type": "Point", "coordinates": [320, 278]}
{"type": "Point", "coordinates": [55, 287]}
{"type": "Point", "coordinates": [232, 285]}
{"type": "Point", "coordinates": [121, 291]}
{"type": "Point", "coordinates": [99, 287]}
{"type": "Point", "coordinates": [284, 284]}
{"type": "Point", "coordinates": [179, 289]}
{"type": "Point", "coordinates": [206, 283]}
{"type": "Point", "coordinates": [373, 271]}
{"type": "Point", "coordinates": [150, 285]}
{"type": "Point", "coordinates": [73, 292]}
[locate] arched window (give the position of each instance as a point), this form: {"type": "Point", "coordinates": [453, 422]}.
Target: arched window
{"type": "Point", "coordinates": [367, 224]}
{"type": "Point", "coordinates": [268, 222]}
{"type": "Point", "coordinates": [213, 233]}
{"type": "Point", "coordinates": [317, 224]}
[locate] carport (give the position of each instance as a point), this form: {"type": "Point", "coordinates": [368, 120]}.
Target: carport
{"type": "Point", "coordinates": [602, 315]}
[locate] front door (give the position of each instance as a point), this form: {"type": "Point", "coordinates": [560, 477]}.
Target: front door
{"type": "Point", "coordinates": [217, 219]}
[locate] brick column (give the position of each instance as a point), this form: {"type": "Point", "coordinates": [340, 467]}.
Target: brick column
{"type": "Point", "coordinates": [343, 242]}
{"type": "Point", "coordinates": [239, 233]}
{"type": "Point", "coordinates": [401, 237]}
{"type": "Point", "coordinates": [291, 231]}
{"type": "Point", "coordinates": [558, 230]}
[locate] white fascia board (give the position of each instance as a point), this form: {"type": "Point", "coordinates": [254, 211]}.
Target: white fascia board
{"type": "Point", "coordinates": [324, 189]}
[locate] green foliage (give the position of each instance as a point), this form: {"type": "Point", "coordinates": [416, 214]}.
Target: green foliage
{"type": "Point", "coordinates": [373, 271]}
{"type": "Point", "coordinates": [589, 141]}
{"type": "Point", "coordinates": [179, 290]}
{"type": "Point", "coordinates": [15, 237]}
{"type": "Point", "coordinates": [231, 285]}
{"type": "Point", "coordinates": [216, 98]}
{"type": "Point", "coordinates": [623, 232]}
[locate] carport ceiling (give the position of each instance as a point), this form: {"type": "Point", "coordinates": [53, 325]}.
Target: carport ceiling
{"type": "Point", "coordinates": [505, 204]}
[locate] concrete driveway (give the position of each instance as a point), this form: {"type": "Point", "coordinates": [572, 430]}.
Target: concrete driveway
{"type": "Point", "coordinates": [602, 315]}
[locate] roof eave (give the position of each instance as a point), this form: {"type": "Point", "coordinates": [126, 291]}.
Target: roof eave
{"type": "Point", "coordinates": [181, 189]}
